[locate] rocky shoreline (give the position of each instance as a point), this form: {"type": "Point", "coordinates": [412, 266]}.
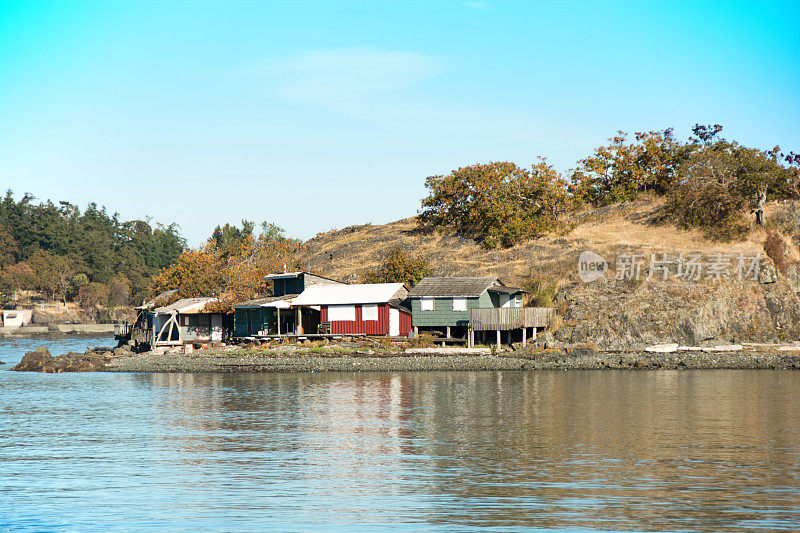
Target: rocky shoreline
{"type": "Point", "coordinates": [239, 360]}
{"type": "Point", "coordinates": [232, 362]}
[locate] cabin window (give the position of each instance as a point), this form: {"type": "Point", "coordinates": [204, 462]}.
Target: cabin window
{"type": "Point", "coordinates": [459, 304]}
{"type": "Point", "coordinates": [204, 320]}
{"type": "Point", "coordinates": [518, 300]}
{"type": "Point", "coordinates": [341, 313]}
{"type": "Point", "coordinates": [191, 321]}
{"type": "Point", "coordinates": [426, 304]}
{"type": "Point", "coordinates": [369, 312]}
{"type": "Point", "coordinates": [186, 321]}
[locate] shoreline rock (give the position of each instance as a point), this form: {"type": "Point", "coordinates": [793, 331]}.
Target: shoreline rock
{"type": "Point", "coordinates": [40, 360]}
{"type": "Point", "coordinates": [520, 360]}
{"type": "Point", "coordinates": [235, 359]}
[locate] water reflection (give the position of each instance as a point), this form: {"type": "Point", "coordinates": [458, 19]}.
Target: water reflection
{"type": "Point", "coordinates": [653, 450]}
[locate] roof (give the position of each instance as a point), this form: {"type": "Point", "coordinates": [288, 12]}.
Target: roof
{"type": "Point", "coordinates": [453, 286]}
{"type": "Point", "coordinates": [186, 305]}
{"type": "Point", "coordinates": [269, 301]}
{"type": "Point", "coordinates": [507, 290]}
{"type": "Point", "coordinates": [402, 305]}
{"type": "Point", "coordinates": [287, 275]}
{"type": "Point", "coordinates": [362, 293]}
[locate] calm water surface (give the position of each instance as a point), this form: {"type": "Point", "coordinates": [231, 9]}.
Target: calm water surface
{"type": "Point", "coordinates": [603, 450]}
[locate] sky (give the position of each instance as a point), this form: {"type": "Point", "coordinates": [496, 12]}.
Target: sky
{"type": "Point", "coordinates": [318, 115]}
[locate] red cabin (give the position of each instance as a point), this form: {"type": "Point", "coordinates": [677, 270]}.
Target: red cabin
{"type": "Point", "coordinates": [362, 309]}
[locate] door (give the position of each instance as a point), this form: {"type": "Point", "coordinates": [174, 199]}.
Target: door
{"type": "Point", "coordinates": [394, 322]}
{"type": "Point", "coordinates": [216, 327]}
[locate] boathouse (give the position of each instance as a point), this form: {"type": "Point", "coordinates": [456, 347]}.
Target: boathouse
{"type": "Point", "coordinates": [360, 309]}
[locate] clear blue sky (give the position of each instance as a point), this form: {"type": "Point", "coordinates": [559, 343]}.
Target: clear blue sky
{"type": "Point", "coordinates": [316, 115]}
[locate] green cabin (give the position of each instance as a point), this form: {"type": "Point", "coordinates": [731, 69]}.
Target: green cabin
{"type": "Point", "coordinates": [443, 304]}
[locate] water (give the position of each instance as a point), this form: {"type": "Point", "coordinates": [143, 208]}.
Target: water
{"type": "Point", "coordinates": [603, 450]}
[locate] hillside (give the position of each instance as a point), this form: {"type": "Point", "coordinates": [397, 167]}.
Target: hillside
{"type": "Point", "coordinates": [612, 313]}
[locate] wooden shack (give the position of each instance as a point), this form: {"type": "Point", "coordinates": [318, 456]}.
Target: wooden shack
{"type": "Point", "coordinates": [274, 315]}
{"type": "Point", "coordinates": [186, 321]}
{"type": "Point", "coordinates": [264, 316]}
{"type": "Point", "coordinates": [360, 309]}
{"type": "Point", "coordinates": [456, 307]}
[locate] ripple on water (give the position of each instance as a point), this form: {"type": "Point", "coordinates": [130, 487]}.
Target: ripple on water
{"type": "Point", "coordinates": [702, 450]}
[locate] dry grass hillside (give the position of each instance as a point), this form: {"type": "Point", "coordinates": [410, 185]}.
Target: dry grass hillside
{"type": "Point", "coordinates": [610, 313]}
{"type": "Point", "coordinates": [344, 253]}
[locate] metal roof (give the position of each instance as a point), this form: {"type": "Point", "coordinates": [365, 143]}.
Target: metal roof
{"type": "Point", "coordinates": [186, 305]}
{"type": "Point", "coordinates": [453, 286]}
{"type": "Point", "coordinates": [269, 301]}
{"type": "Point", "coordinates": [287, 275]}
{"type": "Point", "coordinates": [363, 293]}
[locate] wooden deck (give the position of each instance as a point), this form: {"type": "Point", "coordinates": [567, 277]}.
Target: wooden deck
{"type": "Point", "coordinates": [506, 318]}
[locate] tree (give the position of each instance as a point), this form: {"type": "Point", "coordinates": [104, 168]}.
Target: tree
{"type": "Point", "coordinates": [9, 247]}
{"type": "Point", "coordinates": [223, 237]}
{"type": "Point", "coordinates": [272, 232]}
{"type": "Point", "coordinates": [721, 180]}
{"type": "Point", "coordinates": [98, 244]}
{"type": "Point", "coordinates": [231, 274]}
{"type": "Point", "coordinates": [78, 281]}
{"type": "Point", "coordinates": [119, 290]}
{"type": "Point", "coordinates": [53, 274]}
{"type": "Point", "coordinates": [197, 273]}
{"type": "Point", "coordinates": [398, 267]}
{"type": "Point", "coordinates": [623, 170]}
{"type": "Point", "coordinates": [499, 203]}
{"type": "Point", "coordinates": [93, 295]}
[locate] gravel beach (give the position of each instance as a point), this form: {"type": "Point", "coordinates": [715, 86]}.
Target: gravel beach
{"type": "Point", "coordinates": [548, 360]}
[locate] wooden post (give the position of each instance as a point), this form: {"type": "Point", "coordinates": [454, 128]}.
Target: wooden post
{"type": "Point", "coordinates": [298, 325]}
{"type": "Point", "coordinates": [416, 331]}
{"type": "Point", "coordinates": [523, 336]}
{"type": "Point", "coordinates": [533, 334]}
{"type": "Point", "coordinates": [469, 337]}
{"type": "Point", "coordinates": [447, 332]}
{"type": "Point", "coordinates": [278, 309]}
{"type": "Point", "coordinates": [498, 339]}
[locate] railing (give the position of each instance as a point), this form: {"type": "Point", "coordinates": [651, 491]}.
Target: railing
{"type": "Point", "coordinates": [123, 330]}
{"type": "Point", "coordinates": [510, 318]}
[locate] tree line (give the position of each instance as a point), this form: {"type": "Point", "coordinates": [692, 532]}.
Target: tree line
{"type": "Point", "coordinates": [706, 182]}
{"type": "Point", "coordinates": [88, 256]}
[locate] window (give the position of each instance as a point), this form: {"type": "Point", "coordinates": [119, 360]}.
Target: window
{"type": "Point", "coordinates": [518, 300]}
{"type": "Point", "coordinates": [341, 312]}
{"type": "Point", "coordinates": [459, 304]}
{"type": "Point", "coordinates": [426, 304]}
{"type": "Point", "coordinates": [369, 312]}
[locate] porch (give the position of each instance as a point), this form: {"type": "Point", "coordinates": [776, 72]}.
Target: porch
{"type": "Point", "coordinates": [508, 319]}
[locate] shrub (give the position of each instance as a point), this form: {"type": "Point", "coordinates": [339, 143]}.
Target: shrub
{"type": "Point", "coordinates": [398, 267]}
{"type": "Point", "coordinates": [499, 203]}
{"type": "Point", "coordinates": [543, 291]}
{"type": "Point", "coordinates": [423, 340]}
{"type": "Point", "coordinates": [775, 248]}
